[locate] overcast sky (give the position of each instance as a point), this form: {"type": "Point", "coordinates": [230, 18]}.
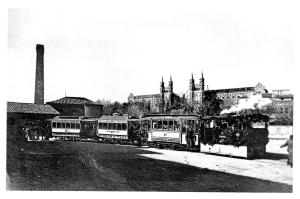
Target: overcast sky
{"type": "Point", "coordinates": [111, 51]}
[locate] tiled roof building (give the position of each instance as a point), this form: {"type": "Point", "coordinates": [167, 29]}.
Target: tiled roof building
{"type": "Point", "coordinates": [72, 100]}
{"type": "Point", "coordinates": [30, 108]}
{"type": "Point", "coordinates": [77, 106]}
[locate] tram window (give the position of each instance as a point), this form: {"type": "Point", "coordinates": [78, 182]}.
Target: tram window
{"type": "Point", "coordinates": [54, 125]}
{"type": "Point", "coordinates": [154, 124]}
{"type": "Point", "coordinates": [165, 125]}
{"type": "Point", "coordinates": [124, 127]}
{"type": "Point", "coordinates": [176, 126]}
{"type": "Point", "coordinates": [109, 126]}
{"type": "Point", "coordinates": [67, 125]}
{"type": "Point", "coordinates": [58, 125]}
{"type": "Point", "coordinates": [207, 125]}
{"type": "Point", "coordinates": [63, 125]}
{"type": "Point", "coordinates": [99, 125]}
{"type": "Point", "coordinates": [105, 126]}
{"type": "Point", "coordinates": [191, 123]}
{"type": "Point", "coordinates": [170, 125]}
{"type": "Point", "coordinates": [115, 126]}
{"type": "Point", "coordinates": [146, 125]}
{"type": "Point", "coordinates": [72, 126]}
{"type": "Point", "coordinates": [77, 126]}
{"type": "Point", "coordinates": [119, 127]}
{"type": "Point", "coordinates": [159, 124]}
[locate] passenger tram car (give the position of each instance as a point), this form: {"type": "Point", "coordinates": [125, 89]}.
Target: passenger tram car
{"type": "Point", "coordinates": [171, 130]}
{"type": "Point", "coordinates": [113, 128]}
{"type": "Point", "coordinates": [73, 127]}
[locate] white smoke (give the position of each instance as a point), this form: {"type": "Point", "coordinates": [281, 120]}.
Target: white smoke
{"type": "Point", "coordinates": [254, 101]}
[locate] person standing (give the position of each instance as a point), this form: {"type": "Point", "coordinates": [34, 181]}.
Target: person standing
{"type": "Point", "coordinates": [289, 144]}
{"type": "Point", "coordinates": [189, 137]}
{"type": "Point", "coordinates": [139, 137]}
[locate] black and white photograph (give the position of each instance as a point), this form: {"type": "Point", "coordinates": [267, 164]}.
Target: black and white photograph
{"type": "Point", "coordinates": [150, 96]}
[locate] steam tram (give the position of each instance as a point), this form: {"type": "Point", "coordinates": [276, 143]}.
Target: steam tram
{"type": "Point", "coordinates": [171, 130]}
{"type": "Point", "coordinates": [240, 135]}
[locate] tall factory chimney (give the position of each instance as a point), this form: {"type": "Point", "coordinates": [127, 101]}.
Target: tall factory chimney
{"type": "Point", "coordinates": [39, 75]}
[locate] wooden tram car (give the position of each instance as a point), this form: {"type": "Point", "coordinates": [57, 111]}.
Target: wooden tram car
{"type": "Point", "coordinates": [240, 135]}
{"type": "Point", "coordinates": [118, 129]}
{"type": "Point", "coordinates": [171, 130]}
{"type": "Point", "coordinates": [73, 128]}
{"type": "Point", "coordinates": [113, 128]}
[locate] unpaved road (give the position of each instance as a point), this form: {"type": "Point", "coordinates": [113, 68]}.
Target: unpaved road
{"type": "Point", "coordinates": [106, 167]}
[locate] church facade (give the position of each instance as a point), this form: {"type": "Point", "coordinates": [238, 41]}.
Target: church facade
{"type": "Point", "coordinates": [158, 102]}
{"type": "Point", "coordinates": [195, 94]}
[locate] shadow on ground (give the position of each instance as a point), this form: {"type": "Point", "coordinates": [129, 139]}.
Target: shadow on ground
{"type": "Point", "coordinates": [276, 156]}
{"type": "Point", "coordinates": [87, 166]}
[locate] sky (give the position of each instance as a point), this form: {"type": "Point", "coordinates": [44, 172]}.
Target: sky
{"type": "Point", "coordinates": [109, 51]}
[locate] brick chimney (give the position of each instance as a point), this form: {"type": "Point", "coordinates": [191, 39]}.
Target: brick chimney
{"type": "Point", "coordinates": [39, 75]}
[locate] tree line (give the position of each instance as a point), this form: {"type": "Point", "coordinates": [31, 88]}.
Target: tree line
{"type": "Point", "coordinates": [211, 106]}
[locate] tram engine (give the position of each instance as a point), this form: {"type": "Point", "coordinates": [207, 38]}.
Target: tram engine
{"type": "Point", "coordinates": [243, 135]}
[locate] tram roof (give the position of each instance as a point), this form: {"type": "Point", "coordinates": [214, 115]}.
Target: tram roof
{"type": "Point", "coordinates": [169, 116]}
{"type": "Point", "coordinates": [73, 118]}
{"type": "Point", "coordinates": [113, 118]}
{"type": "Point", "coordinates": [66, 119]}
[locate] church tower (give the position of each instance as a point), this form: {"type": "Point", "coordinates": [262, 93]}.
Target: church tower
{"type": "Point", "coordinates": [171, 85]}
{"type": "Point", "coordinates": [162, 95]}
{"type": "Point", "coordinates": [170, 91]}
{"type": "Point", "coordinates": [191, 89]}
{"type": "Point", "coordinates": [202, 88]}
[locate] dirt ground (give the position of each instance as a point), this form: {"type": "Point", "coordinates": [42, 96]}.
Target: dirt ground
{"type": "Point", "coordinates": [88, 166]}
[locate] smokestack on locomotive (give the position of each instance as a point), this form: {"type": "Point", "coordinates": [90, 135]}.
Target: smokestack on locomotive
{"type": "Point", "coordinates": [39, 75]}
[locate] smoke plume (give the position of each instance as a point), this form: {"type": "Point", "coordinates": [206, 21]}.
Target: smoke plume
{"type": "Point", "coordinates": [254, 101]}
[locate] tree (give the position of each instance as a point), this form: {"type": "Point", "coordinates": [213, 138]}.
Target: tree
{"type": "Point", "coordinates": [138, 109]}
{"type": "Point", "coordinates": [211, 105]}
{"type": "Point", "coordinates": [277, 117]}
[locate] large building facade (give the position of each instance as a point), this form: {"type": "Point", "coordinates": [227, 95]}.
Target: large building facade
{"type": "Point", "coordinates": [158, 102]}
{"type": "Point", "coordinates": [282, 100]}
{"type": "Point", "coordinates": [230, 96]}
